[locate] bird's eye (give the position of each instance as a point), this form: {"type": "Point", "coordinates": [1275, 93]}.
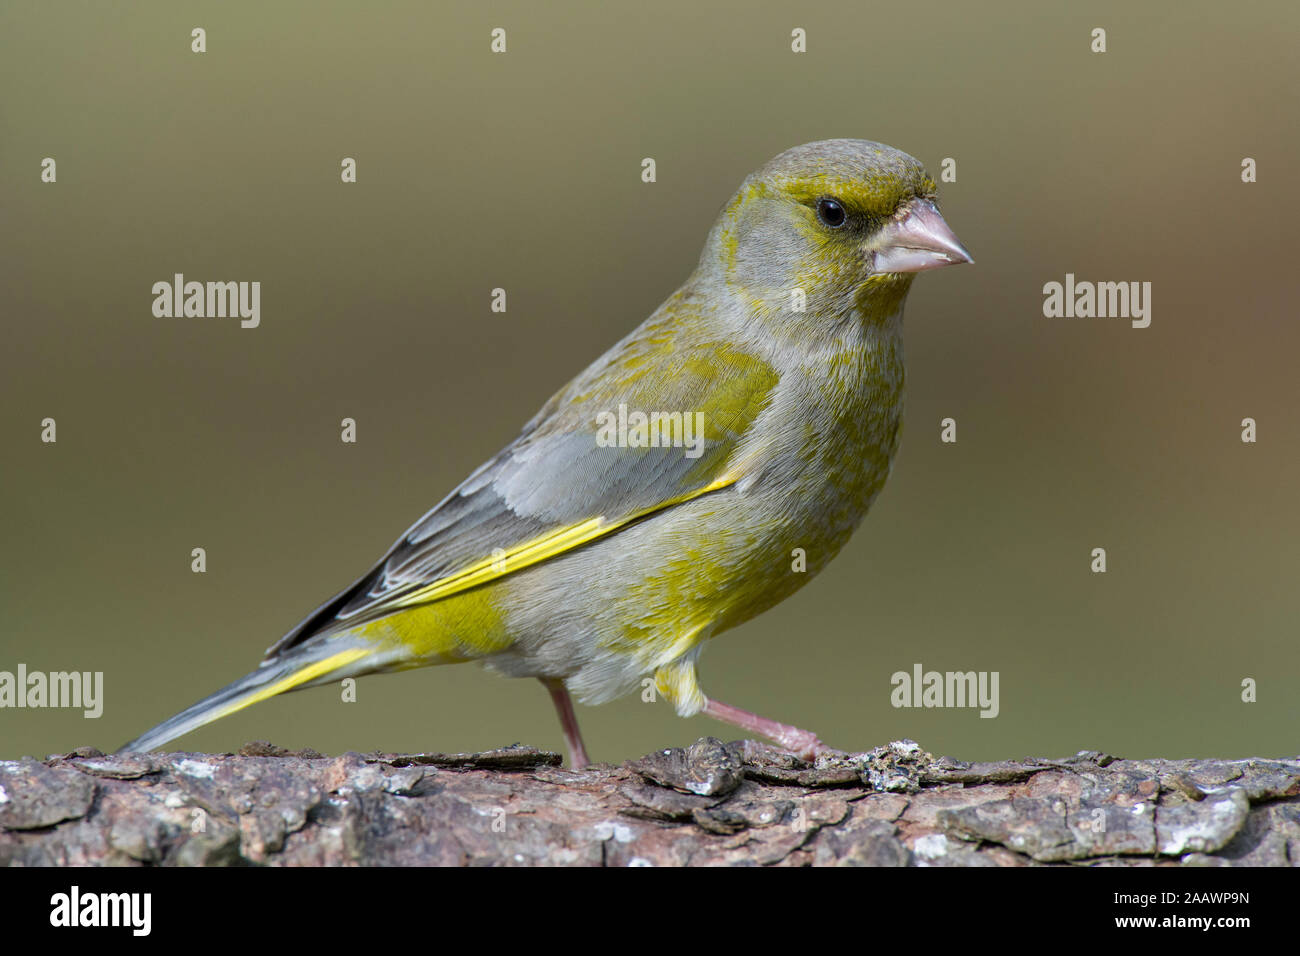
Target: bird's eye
{"type": "Point", "coordinates": [831, 213]}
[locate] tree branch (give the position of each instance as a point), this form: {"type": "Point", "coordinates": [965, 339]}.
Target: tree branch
{"type": "Point", "coordinates": [738, 803]}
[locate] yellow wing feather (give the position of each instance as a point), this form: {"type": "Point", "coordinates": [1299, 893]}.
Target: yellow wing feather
{"type": "Point", "coordinates": [535, 551]}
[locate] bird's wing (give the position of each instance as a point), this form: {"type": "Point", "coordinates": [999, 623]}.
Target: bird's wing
{"type": "Point", "coordinates": [556, 487]}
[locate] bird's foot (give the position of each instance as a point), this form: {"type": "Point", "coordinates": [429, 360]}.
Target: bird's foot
{"type": "Point", "coordinates": [804, 744]}
{"type": "Point", "coordinates": [568, 722]}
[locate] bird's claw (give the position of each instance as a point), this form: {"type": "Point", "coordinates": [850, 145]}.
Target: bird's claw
{"type": "Point", "coordinates": [804, 744]}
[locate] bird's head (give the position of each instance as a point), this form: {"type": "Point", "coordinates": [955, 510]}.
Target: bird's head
{"type": "Point", "coordinates": [846, 222]}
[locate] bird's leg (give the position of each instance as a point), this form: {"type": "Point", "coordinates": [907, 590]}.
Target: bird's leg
{"type": "Point", "coordinates": [801, 743]}
{"type": "Point", "coordinates": [568, 721]}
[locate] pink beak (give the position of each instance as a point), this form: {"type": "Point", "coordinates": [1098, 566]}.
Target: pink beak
{"type": "Point", "coordinates": [920, 240]}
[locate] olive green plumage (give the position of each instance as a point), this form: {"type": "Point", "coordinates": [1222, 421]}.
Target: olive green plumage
{"type": "Point", "coordinates": [570, 560]}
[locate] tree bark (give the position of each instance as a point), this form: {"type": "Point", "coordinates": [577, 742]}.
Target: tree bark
{"type": "Point", "coordinates": [741, 803]}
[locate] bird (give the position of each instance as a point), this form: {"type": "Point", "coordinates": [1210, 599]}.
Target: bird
{"type": "Point", "coordinates": [656, 500]}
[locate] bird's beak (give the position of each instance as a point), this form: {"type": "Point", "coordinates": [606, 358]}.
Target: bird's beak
{"type": "Point", "coordinates": [920, 240]}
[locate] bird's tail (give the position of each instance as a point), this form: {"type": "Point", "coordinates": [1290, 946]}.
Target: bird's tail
{"type": "Point", "coordinates": [315, 663]}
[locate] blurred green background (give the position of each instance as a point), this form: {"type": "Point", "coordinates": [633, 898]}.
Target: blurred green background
{"type": "Point", "coordinates": [523, 171]}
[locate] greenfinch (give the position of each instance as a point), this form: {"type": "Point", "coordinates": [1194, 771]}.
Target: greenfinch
{"type": "Point", "coordinates": [656, 500]}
